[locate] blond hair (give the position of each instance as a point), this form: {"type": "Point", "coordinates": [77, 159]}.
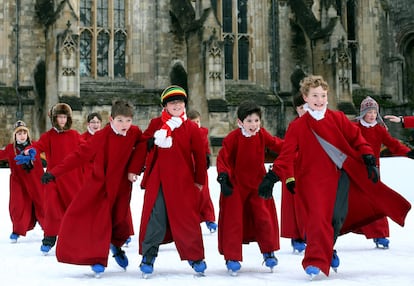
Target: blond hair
{"type": "Point", "coordinates": [312, 81]}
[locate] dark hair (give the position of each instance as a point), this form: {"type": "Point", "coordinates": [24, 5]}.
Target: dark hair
{"type": "Point", "coordinates": [92, 115]}
{"type": "Point", "coordinates": [298, 100]}
{"type": "Point", "coordinates": [193, 114]}
{"type": "Point", "coordinates": [122, 107]}
{"type": "Point", "coordinates": [247, 108]}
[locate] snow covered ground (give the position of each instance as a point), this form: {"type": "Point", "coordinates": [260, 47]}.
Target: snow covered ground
{"type": "Point", "coordinates": [361, 263]}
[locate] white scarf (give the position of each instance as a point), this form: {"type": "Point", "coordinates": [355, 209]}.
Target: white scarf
{"type": "Point", "coordinates": [244, 131]}
{"type": "Point", "coordinates": [316, 114]}
{"type": "Point", "coordinates": [366, 124]}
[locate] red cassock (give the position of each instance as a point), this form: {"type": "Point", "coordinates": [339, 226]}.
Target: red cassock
{"type": "Point", "coordinates": [205, 204]}
{"type": "Point", "coordinates": [317, 181]}
{"type": "Point", "coordinates": [243, 216]}
{"type": "Point", "coordinates": [408, 121]}
{"type": "Point", "coordinates": [100, 212]}
{"type": "Point", "coordinates": [176, 169]}
{"type": "Point", "coordinates": [26, 192]}
{"type": "Point", "coordinates": [59, 193]}
{"type": "Point", "coordinates": [378, 136]}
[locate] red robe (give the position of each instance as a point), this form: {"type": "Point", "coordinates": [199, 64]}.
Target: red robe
{"type": "Point", "coordinates": [177, 169]}
{"type": "Point", "coordinates": [100, 213]}
{"type": "Point", "coordinates": [408, 121]}
{"type": "Point", "coordinates": [243, 216]}
{"type": "Point", "coordinates": [291, 216]}
{"type": "Point", "coordinates": [58, 193]}
{"type": "Point", "coordinates": [26, 192]}
{"type": "Point", "coordinates": [205, 203]}
{"type": "Point", "coordinates": [88, 166]}
{"type": "Point", "coordinates": [378, 136]}
{"type": "Point", "coordinates": [318, 176]}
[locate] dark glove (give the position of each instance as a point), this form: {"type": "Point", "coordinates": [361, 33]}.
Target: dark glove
{"type": "Point", "coordinates": [27, 167]}
{"type": "Point", "coordinates": [150, 143]}
{"type": "Point", "coordinates": [47, 177]}
{"type": "Point", "coordinates": [290, 185]}
{"type": "Point", "coordinates": [22, 159]}
{"type": "Point", "coordinates": [410, 154]}
{"type": "Point", "coordinates": [226, 187]}
{"type": "Point", "coordinates": [266, 186]}
{"type": "Point", "coordinates": [208, 161]}
{"type": "Point", "coordinates": [370, 162]}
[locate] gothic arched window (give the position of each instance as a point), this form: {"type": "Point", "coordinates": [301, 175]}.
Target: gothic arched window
{"type": "Point", "coordinates": [103, 39]}
{"type": "Point", "coordinates": [233, 15]}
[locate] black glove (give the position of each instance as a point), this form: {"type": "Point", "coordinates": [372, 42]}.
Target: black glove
{"type": "Point", "coordinates": [208, 161]}
{"type": "Point", "coordinates": [226, 187]}
{"type": "Point", "coordinates": [150, 143]}
{"type": "Point", "coordinates": [410, 154]}
{"type": "Point", "coordinates": [47, 177]}
{"type": "Point", "coordinates": [27, 166]}
{"type": "Point", "coordinates": [370, 162]}
{"type": "Point", "coordinates": [266, 186]}
{"type": "Point", "coordinates": [290, 185]}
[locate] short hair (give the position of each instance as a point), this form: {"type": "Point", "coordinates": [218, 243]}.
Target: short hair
{"type": "Point", "coordinates": [247, 108]}
{"type": "Point", "coordinates": [193, 114]}
{"type": "Point", "coordinates": [298, 100]}
{"type": "Point", "coordinates": [93, 115]}
{"type": "Point", "coordinates": [312, 81]}
{"type": "Point", "coordinates": [122, 107]}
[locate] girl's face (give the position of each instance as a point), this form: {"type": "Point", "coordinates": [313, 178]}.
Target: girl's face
{"type": "Point", "coordinates": [175, 107]}
{"type": "Point", "coordinates": [21, 136]}
{"type": "Point", "coordinates": [371, 116]}
{"type": "Point", "coordinates": [251, 123]}
{"type": "Point", "coordinates": [317, 98]}
{"type": "Point", "coordinates": [61, 120]}
{"type": "Point", "coordinates": [94, 124]}
{"type": "Point", "coordinates": [121, 123]}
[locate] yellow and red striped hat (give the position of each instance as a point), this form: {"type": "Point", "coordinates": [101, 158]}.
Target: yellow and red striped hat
{"type": "Point", "coordinates": [173, 92]}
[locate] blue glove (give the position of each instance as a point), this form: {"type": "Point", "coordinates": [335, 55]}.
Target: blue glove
{"type": "Point", "coordinates": [22, 159]}
{"type": "Point", "coordinates": [32, 154]}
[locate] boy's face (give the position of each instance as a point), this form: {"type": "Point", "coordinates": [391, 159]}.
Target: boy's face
{"type": "Point", "coordinates": [197, 120]}
{"type": "Point", "coordinates": [300, 111]}
{"type": "Point", "coordinates": [317, 98]}
{"type": "Point", "coordinates": [251, 123]}
{"type": "Point", "coordinates": [371, 116]}
{"type": "Point", "coordinates": [175, 107]}
{"type": "Point", "coordinates": [121, 123]}
{"type": "Point", "coordinates": [61, 120]}
{"type": "Point", "coordinates": [21, 136]}
{"type": "Point", "coordinates": [94, 124]}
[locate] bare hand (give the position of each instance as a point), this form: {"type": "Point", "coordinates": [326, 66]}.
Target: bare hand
{"type": "Point", "coordinates": [393, 118]}
{"type": "Point", "coordinates": [200, 187]}
{"type": "Point", "coordinates": [132, 177]}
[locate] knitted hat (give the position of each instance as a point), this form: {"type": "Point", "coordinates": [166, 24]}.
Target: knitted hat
{"type": "Point", "coordinates": [173, 92]}
{"type": "Point", "coordinates": [61, 108]}
{"type": "Point", "coordinates": [369, 104]}
{"type": "Point", "coordinates": [18, 126]}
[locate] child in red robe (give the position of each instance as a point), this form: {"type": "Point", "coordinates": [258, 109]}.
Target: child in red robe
{"type": "Point", "coordinates": [56, 143]}
{"type": "Point", "coordinates": [99, 216]}
{"type": "Point", "coordinates": [174, 175]}
{"type": "Point", "coordinates": [26, 191]}
{"type": "Point", "coordinates": [336, 166]}
{"type": "Point", "coordinates": [375, 132]}
{"type": "Point", "coordinates": [243, 216]}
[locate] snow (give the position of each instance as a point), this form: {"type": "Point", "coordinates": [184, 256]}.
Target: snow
{"type": "Point", "coordinates": [361, 263]}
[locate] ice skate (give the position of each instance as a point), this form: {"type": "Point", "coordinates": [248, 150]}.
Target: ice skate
{"type": "Point", "coordinates": [382, 242]}
{"type": "Point", "coordinates": [98, 269]}
{"type": "Point", "coordinates": [233, 266]}
{"type": "Point", "coordinates": [312, 271]}
{"type": "Point", "coordinates": [335, 261]}
{"type": "Point", "coordinates": [119, 256]}
{"type": "Point", "coordinates": [270, 260]}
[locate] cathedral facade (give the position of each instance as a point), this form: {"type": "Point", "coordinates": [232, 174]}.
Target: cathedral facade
{"type": "Point", "coordinates": [88, 52]}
